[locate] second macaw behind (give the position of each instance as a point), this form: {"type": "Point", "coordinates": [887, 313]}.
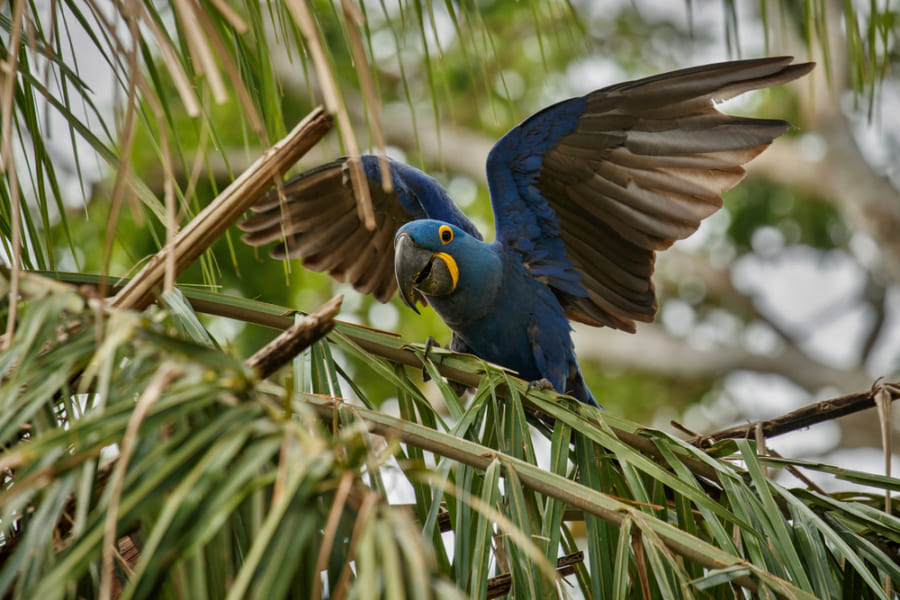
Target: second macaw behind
{"type": "Point", "coordinates": [584, 193]}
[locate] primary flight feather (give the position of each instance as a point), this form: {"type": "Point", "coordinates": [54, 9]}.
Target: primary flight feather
{"type": "Point", "coordinates": [583, 192]}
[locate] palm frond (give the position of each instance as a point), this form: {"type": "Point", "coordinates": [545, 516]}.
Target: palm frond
{"type": "Point", "coordinates": [208, 456]}
{"type": "Point", "coordinates": [214, 481]}
{"type": "Point", "coordinates": [140, 459]}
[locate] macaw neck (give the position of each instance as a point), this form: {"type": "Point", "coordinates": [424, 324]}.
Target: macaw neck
{"type": "Point", "coordinates": [480, 267]}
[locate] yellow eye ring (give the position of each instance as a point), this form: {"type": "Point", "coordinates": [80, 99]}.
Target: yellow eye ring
{"type": "Point", "coordinates": [446, 234]}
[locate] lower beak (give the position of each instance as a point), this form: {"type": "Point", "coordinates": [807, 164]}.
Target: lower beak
{"type": "Point", "coordinates": [410, 262]}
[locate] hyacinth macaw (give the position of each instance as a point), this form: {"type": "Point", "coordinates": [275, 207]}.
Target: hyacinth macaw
{"type": "Point", "coordinates": [583, 192]}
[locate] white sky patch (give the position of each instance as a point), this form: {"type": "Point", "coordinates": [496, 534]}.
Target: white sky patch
{"type": "Point", "coordinates": [713, 228]}
{"type": "Point", "coordinates": [463, 190]}
{"type": "Point", "coordinates": [815, 296]}
{"type": "Point", "coordinates": [813, 441]}
{"type": "Point", "coordinates": [759, 338]}
{"type": "Point", "coordinates": [678, 317]}
{"type": "Point", "coordinates": [886, 352]}
{"type": "Point", "coordinates": [399, 489]}
{"type": "Point", "coordinates": [542, 448]}
{"type": "Point", "coordinates": [767, 241]}
{"type": "Point", "coordinates": [510, 84]}
{"type": "Point", "coordinates": [108, 454]}
{"type": "Point", "coordinates": [348, 367]}
{"type": "Point", "coordinates": [384, 49]}
{"type": "Point", "coordinates": [878, 134]}
{"type": "Point", "coordinates": [352, 299]}
{"type": "Point", "coordinates": [838, 343]}
{"type": "Point", "coordinates": [719, 328]}
{"type": "Point", "coordinates": [812, 146]}
{"type": "Point", "coordinates": [103, 92]}
{"type": "Point", "coordinates": [391, 407]}
{"type": "Point", "coordinates": [384, 316]}
{"type": "Point", "coordinates": [865, 250]}
{"type": "Point", "coordinates": [756, 396]}
{"type": "Point", "coordinates": [800, 282]}
{"type": "Point", "coordinates": [589, 74]}
{"type": "Point", "coordinates": [439, 29]}
{"type": "Point", "coordinates": [748, 396]}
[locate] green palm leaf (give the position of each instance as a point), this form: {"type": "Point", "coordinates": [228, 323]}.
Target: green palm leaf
{"type": "Point", "coordinates": [143, 458]}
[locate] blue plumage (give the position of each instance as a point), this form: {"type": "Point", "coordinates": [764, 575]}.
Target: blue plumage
{"type": "Point", "coordinates": [492, 300]}
{"type": "Point", "coordinates": [583, 192]}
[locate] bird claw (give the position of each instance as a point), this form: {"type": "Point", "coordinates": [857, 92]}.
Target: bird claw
{"type": "Point", "coordinates": [429, 344]}
{"type": "Point", "coordinates": [542, 385]}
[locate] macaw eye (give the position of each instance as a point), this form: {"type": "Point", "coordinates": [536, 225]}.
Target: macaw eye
{"type": "Point", "coordinates": [446, 234]}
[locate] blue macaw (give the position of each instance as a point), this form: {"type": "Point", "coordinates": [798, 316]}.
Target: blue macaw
{"type": "Point", "coordinates": [584, 193]}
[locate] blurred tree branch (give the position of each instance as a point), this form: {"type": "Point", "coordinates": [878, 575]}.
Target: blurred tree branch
{"type": "Point", "coordinates": [654, 350]}
{"type": "Point", "coordinates": [803, 417]}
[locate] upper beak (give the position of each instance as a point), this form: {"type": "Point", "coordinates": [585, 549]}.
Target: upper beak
{"type": "Point", "coordinates": [410, 262]}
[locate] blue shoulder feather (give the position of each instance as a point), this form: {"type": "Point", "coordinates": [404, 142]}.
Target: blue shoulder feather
{"type": "Point", "coordinates": [420, 194]}
{"type": "Point", "coordinates": [523, 218]}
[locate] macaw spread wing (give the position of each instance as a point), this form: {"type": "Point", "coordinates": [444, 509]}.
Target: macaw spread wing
{"type": "Point", "coordinates": [317, 221]}
{"type": "Point", "coordinates": [588, 189]}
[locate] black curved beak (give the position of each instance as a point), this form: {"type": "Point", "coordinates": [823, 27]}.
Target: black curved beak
{"type": "Point", "coordinates": [411, 265]}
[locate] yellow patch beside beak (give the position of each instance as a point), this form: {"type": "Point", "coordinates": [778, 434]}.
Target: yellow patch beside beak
{"type": "Point", "coordinates": [451, 266]}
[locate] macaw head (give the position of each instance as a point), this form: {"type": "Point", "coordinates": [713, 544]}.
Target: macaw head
{"type": "Point", "coordinates": [434, 258]}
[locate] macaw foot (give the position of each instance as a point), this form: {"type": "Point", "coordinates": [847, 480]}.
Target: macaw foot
{"type": "Point", "coordinates": [542, 384]}
{"type": "Point", "coordinates": [429, 344]}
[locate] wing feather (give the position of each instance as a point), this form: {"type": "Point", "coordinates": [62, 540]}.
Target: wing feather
{"type": "Point", "coordinates": [595, 185]}
{"type": "Point", "coordinates": [316, 220]}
